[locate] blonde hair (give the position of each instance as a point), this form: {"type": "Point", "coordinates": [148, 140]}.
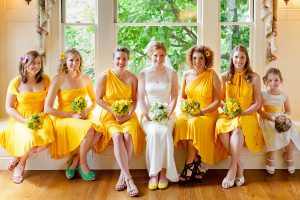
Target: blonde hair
{"type": "Point", "coordinates": [155, 45]}
{"type": "Point", "coordinates": [272, 70]}
{"type": "Point", "coordinates": [205, 50]}
{"type": "Point", "coordinates": [25, 62]}
{"type": "Point", "coordinates": [63, 61]}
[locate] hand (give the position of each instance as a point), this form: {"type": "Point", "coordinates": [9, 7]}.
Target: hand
{"type": "Point", "coordinates": [123, 118]}
{"type": "Point", "coordinates": [77, 116]}
{"type": "Point", "coordinates": [25, 120]}
{"type": "Point", "coordinates": [84, 114]}
{"type": "Point", "coordinates": [273, 118]}
{"type": "Point", "coordinates": [147, 117]}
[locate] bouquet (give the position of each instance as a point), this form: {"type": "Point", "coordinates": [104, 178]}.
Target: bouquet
{"type": "Point", "coordinates": [35, 121]}
{"type": "Point", "coordinates": [121, 107]}
{"type": "Point", "coordinates": [159, 112]}
{"type": "Point", "coordinates": [232, 108]}
{"type": "Point", "coordinates": [190, 107]}
{"type": "Point", "coordinates": [79, 104]}
{"type": "Point", "coordinates": [282, 123]}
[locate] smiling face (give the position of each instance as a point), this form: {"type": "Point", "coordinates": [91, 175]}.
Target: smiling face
{"type": "Point", "coordinates": [158, 57]}
{"type": "Point", "coordinates": [239, 59]}
{"type": "Point", "coordinates": [198, 60]}
{"type": "Point", "coordinates": [273, 81]}
{"type": "Point", "coordinates": [121, 59]}
{"type": "Point", "coordinates": [35, 66]}
{"type": "Point", "coordinates": [73, 62]}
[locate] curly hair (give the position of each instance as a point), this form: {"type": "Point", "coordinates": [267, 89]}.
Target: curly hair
{"type": "Point", "coordinates": [155, 45]}
{"type": "Point", "coordinates": [24, 64]}
{"type": "Point", "coordinates": [205, 51]}
{"type": "Point", "coordinates": [63, 68]}
{"type": "Point", "coordinates": [121, 49]}
{"type": "Point", "coordinates": [248, 73]}
{"type": "Point", "coordinates": [272, 70]}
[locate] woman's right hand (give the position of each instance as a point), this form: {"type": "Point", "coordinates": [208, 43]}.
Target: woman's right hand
{"type": "Point", "coordinates": [147, 117]}
{"type": "Point", "coordinates": [76, 115]}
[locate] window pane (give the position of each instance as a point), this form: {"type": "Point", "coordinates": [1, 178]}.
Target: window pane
{"type": "Point", "coordinates": [177, 40]}
{"type": "Point", "coordinates": [80, 11]}
{"type": "Point", "coordinates": [157, 11]}
{"type": "Point", "coordinates": [235, 11]}
{"type": "Point", "coordinates": [230, 37]}
{"type": "Point", "coordinates": [82, 38]}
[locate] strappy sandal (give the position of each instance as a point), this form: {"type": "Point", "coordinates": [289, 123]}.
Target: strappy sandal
{"type": "Point", "coordinates": [183, 175]}
{"type": "Point", "coordinates": [70, 173]}
{"type": "Point", "coordinates": [239, 181]}
{"type": "Point", "coordinates": [131, 191]}
{"type": "Point", "coordinates": [198, 173]}
{"type": "Point", "coordinates": [18, 174]}
{"type": "Point", "coordinates": [12, 164]}
{"type": "Point", "coordinates": [270, 169]}
{"type": "Point", "coordinates": [291, 169]}
{"type": "Point", "coordinates": [226, 183]}
{"type": "Point", "coordinates": [121, 185]}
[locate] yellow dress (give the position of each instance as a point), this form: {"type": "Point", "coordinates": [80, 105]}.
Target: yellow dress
{"type": "Point", "coordinates": [17, 139]}
{"type": "Point", "coordinates": [201, 129]}
{"type": "Point", "coordinates": [116, 90]}
{"type": "Point", "coordinates": [70, 132]}
{"type": "Point", "coordinates": [243, 92]}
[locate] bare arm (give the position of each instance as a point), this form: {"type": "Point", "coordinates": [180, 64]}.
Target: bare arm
{"type": "Point", "coordinates": [53, 90]}
{"type": "Point", "coordinates": [287, 107]}
{"type": "Point", "coordinates": [142, 95]}
{"type": "Point", "coordinates": [183, 85]}
{"type": "Point", "coordinates": [216, 95]}
{"type": "Point", "coordinates": [263, 114]}
{"type": "Point", "coordinates": [92, 96]}
{"type": "Point", "coordinates": [100, 92]}
{"type": "Point", "coordinates": [174, 92]}
{"type": "Point", "coordinates": [10, 103]}
{"type": "Point", "coordinates": [256, 96]}
{"type": "Point", "coordinates": [223, 89]}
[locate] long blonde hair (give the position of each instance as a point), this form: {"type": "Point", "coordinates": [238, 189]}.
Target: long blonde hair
{"type": "Point", "coordinates": [63, 61]}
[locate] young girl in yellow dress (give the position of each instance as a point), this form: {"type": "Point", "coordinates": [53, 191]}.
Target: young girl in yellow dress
{"type": "Point", "coordinates": [113, 85]}
{"type": "Point", "coordinates": [275, 103]}
{"type": "Point", "coordinates": [76, 131]}
{"type": "Point", "coordinates": [26, 96]}
{"type": "Point", "coordinates": [243, 85]}
{"type": "Point", "coordinates": [201, 84]}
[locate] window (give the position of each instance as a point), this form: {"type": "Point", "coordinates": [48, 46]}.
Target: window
{"type": "Point", "coordinates": [173, 22]}
{"type": "Point", "coordinates": [78, 25]}
{"type": "Point", "coordinates": [236, 21]}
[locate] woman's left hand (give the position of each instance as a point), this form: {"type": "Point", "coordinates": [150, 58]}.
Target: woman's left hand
{"type": "Point", "coordinates": [123, 119]}
{"type": "Point", "coordinates": [84, 114]}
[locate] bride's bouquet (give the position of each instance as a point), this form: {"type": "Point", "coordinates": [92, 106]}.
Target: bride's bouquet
{"type": "Point", "coordinates": [121, 107]}
{"type": "Point", "coordinates": [190, 107]}
{"type": "Point", "coordinates": [79, 104]}
{"type": "Point", "coordinates": [232, 108]}
{"type": "Point", "coordinates": [35, 121]}
{"type": "Point", "coordinates": [282, 123]}
{"type": "Point", "coordinates": [159, 112]}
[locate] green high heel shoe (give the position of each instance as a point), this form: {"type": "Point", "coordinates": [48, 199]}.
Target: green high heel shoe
{"type": "Point", "coordinates": [70, 173]}
{"type": "Point", "coordinates": [87, 177]}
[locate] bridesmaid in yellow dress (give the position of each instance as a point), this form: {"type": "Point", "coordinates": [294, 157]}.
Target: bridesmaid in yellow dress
{"type": "Point", "coordinates": [26, 96]}
{"type": "Point", "coordinates": [202, 84]}
{"type": "Point", "coordinates": [242, 84]}
{"type": "Point", "coordinates": [116, 84]}
{"type": "Point", "coordinates": [75, 133]}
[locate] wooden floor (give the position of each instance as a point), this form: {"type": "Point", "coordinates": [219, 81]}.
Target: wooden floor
{"type": "Point", "coordinates": [44, 185]}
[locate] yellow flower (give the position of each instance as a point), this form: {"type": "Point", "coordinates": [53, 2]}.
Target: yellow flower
{"type": "Point", "coordinates": [207, 53]}
{"type": "Point", "coordinates": [62, 56]}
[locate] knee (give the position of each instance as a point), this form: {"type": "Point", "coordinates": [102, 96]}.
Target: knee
{"type": "Point", "coordinates": [117, 138]}
{"type": "Point", "coordinates": [127, 137]}
{"type": "Point", "coordinates": [238, 131]}
{"type": "Point", "coordinates": [90, 133]}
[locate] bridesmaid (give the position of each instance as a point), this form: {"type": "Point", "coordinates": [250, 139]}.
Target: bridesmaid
{"type": "Point", "coordinates": [26, 96]}
{"type": "Point", "coordinates": [158, 83]}
{"type": "Point", "coordinates": [200, 83]}
{"type": "Point", "coordinates": [75, 133]}
{"type": "Point", "coordinates": [242, 84]}
{"type": "Point", "coordinates": [113, 85]}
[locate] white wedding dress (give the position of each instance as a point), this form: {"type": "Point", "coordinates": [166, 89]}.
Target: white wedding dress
{"type": "Point", "coordinates": [160, 147]}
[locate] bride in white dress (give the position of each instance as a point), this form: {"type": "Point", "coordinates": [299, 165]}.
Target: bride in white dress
{"type": "Point", "coordinates": [158, 84]}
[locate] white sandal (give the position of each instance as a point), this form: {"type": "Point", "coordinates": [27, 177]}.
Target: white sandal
{"type": "Point", "coordinates": [226, 183]}
{"type": "Point", "coordinates": [18, 174]}
{"type": "Point", "coordinates": [131, 191]}
{"type": "Point", "coordinates": [270, 169]}
{"type": "Point", "coordinates": [12, 164]}
{"type": "Point", "coordinates": [239, 181]}
{"type": "Point", "coordinates": [291, 169]}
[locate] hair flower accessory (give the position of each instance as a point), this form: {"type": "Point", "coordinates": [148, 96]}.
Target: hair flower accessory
{"type": "Point", "coordinates": [62, 56]}
{"type": "Point", "coordinates": [207, 53]}
{"type": "Point", "coordinates": [24, 58]}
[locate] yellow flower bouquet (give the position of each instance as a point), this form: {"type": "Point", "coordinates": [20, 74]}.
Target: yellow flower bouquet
{"type": "Point", "coordinates": [79, 104]}
{"type": "Point", "coordinates": [35, 121]}
{"type": "Point", "coordinates": [190, 107]}
{"type": "Point", "coordinates": [232, 108]}
{"type": "Point", "coordinates": [121, 107]}
{"type": "Point", "coordinates": [159, 112]}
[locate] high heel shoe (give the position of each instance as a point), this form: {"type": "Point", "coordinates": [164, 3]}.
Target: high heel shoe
{"type": "Point", "coordinates": [198, 173]}
{"type": "Point", "coordinates": [132, 190]}
{"type": "Point", "coordinates": [183, 175]}
{"type": "Point", "coordinates": [239, 181]}
{"type": "Point", "coordinates": [87, 177]}
{"type": "Point", "coordinates": [70, 173]}
{"type": "Point", "coordinates": [270, 169]}
{"type": "Point", "coordinates": [226, 183]}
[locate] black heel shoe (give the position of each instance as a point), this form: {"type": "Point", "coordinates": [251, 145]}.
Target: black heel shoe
{"type": "Point", "coordinates": [197, 173]}
{"type": "Point", "coordinates": [183, 175]}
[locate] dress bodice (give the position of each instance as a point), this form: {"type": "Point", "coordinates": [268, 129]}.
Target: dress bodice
{"type": "Point", "coordinates": [66, 97]}
{"type": "Point", "coordinates": [158, 92]}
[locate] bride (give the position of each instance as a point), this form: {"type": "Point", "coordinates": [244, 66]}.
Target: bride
{"type": "Point", "coordinates": [158, 84]}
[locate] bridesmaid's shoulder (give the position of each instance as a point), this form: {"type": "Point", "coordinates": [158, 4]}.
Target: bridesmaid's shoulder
{"type": "Point", "coordinates": [131, 75]}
